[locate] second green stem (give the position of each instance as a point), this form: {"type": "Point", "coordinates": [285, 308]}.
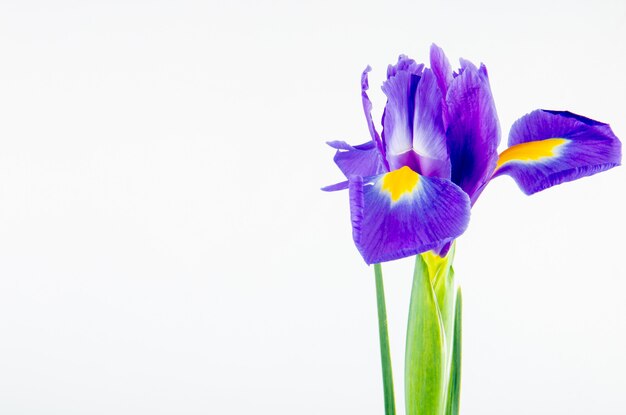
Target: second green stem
{"type": "Point", "coordinates": [385, 354]}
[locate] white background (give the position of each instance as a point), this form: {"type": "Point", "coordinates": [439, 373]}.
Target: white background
{"type": "Point", "coordinates": [165, 248]}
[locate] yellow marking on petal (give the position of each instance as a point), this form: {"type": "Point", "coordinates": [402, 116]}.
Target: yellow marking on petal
{"type": "Point", "coordinates": [399, 182]}
{"type": "Point", "coordinates": [531, 151]}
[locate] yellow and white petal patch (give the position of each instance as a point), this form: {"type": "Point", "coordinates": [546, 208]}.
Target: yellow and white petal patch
{"type": "Point", "coordinates": [531, 151]}
{"type": "Point", "coordinates": [400, 182]}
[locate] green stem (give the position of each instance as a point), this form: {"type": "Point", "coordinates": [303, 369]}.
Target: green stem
{"type": "Point", "coordinates": [385, 354]}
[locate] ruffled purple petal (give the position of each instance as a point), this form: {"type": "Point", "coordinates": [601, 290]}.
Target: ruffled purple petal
{"type": "Point", "coordinates": [547, 148]}
{"type": "Point", "coordinates": [392, 222]}
{"type": "Point", "coordinates": [473, 130]}
{"type": "Point", "coordinates": [367, 109]}
{"type": "Point", "coordinates": [405, 64]}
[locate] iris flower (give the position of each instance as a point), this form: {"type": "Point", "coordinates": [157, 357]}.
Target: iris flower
{"type": "Point", "coordinates": [412, 186]}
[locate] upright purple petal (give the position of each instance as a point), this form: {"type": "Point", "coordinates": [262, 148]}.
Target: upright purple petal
{"type": "Point", "coordinates": [401, 213]}
{"type": "Point", "coordinates": [547, 148]}
{"type": "Point", "coordinates": [466, 64]}
{"type": "Point", "coordinates": [441, 68]}
{"type": "Point", "coordinates": [398, 117]}
{"type": "Point", "coordinates": [429, 138]}
{"type": "Point", "coordinates": [400, 88]}
{"type": "Point", "coordinates": [473, 130]}
{"type": "Point", "coordinates": [413, 131]}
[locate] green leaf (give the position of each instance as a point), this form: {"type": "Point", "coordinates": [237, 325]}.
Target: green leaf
{"type": "Point", "coordinates": [425, 372]}
{"type": "Point", "coordinates": [442, 275]}
{"type": "Point", "coordinates": [454, 385]}
{"type": "Point", "coordinates": [433, 354]}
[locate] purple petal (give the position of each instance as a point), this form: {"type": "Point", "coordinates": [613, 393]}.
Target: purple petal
{"type": "Point", "coordinates": [441, 68]}
{"type": "Point", "coordinates": [361, 160]}
{"type": "Point", "coordinates": [337, 186]}
{"type": "Point", "coordinates": [398, 116]}
{"type": "Point", "coordinates": [413, 131]}
{"type": "Point", "coordinates": [342, 145]}
{"type": "Point", "coordinates": [400, 88]}
{"type": "Point", "coordinates": [473, 129]}
{"type": "Point", "coordinates": [547, 148]}
{"type": "Point", "coordinates": [442, 251]}
{"type": "Point", "coordinates": [401, 213]}
{"type": "Point", "coordinates": [405, 64]}
{"type": "Point", "coordinates": [465, 64]}
{"type": "Point", "coordinates": [367, 109]}
{"type": "Point", "coordinates": [429, 138]}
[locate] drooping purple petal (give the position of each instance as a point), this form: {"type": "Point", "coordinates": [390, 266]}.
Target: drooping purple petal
{"type": "Point", "coordinates": [360, 160]}
{"type": "Point", "coordinates": [337, 186]}
{"type": "Point", "coordinates": [473, 130]}
{"type": "Point", "coordinates": [367, 109]}
{"type": "Point", "coordinates": [547, 148]}
{"type": "Point", "coordinates": [542, 124]}
{"type": "Point", "coordinates": [401, 213]}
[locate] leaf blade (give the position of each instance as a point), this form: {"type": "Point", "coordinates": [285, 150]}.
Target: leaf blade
{"type": "Point", "coordinates": [425, 349]}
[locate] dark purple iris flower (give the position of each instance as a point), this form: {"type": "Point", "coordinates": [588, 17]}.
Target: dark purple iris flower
{"type": "Point", "coordinates": [411, 188]}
